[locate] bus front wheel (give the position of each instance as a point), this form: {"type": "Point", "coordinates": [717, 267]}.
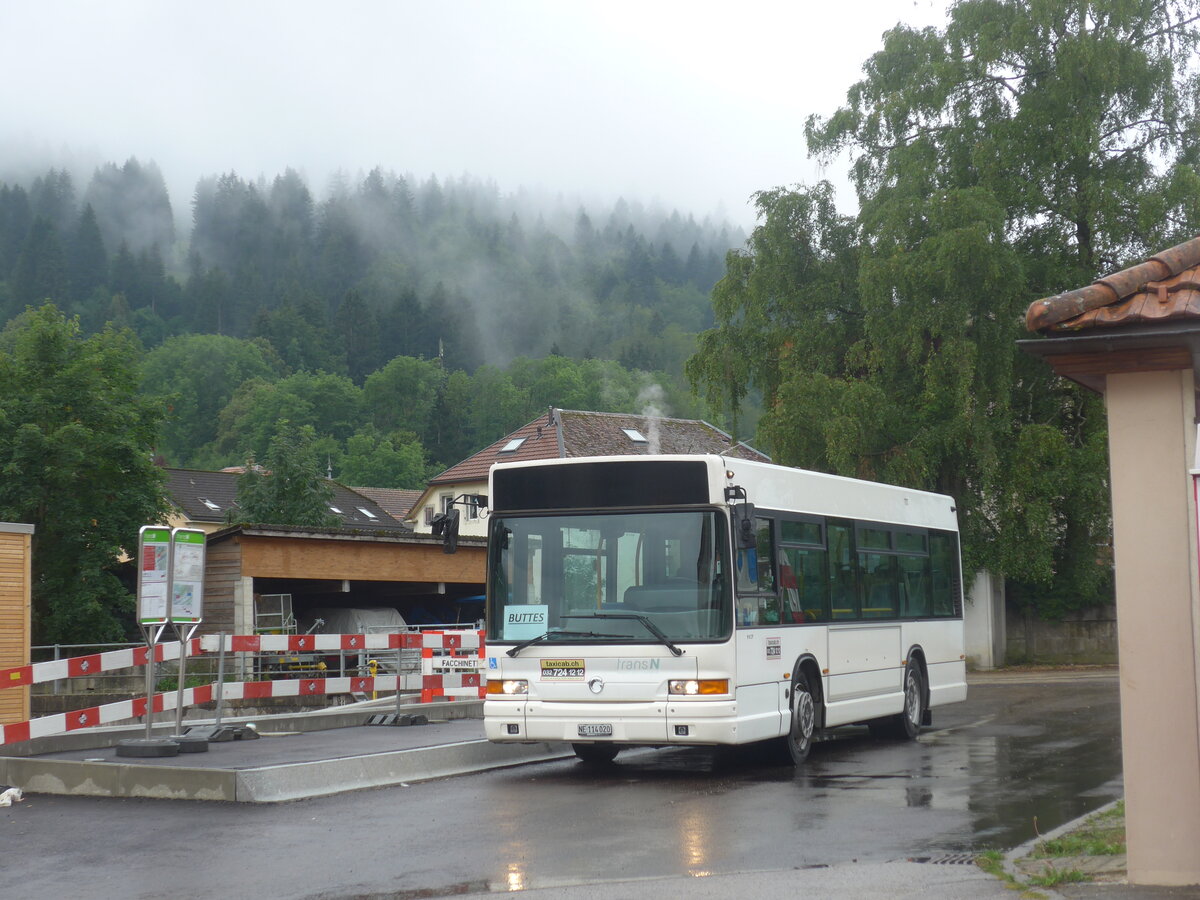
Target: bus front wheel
{"type": "Point", "coordinates": [596, 753]}
{"type": "Point", "coordinates": [804, 719]}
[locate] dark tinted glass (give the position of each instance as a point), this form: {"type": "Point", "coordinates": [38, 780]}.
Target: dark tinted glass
{"type": "Point", "coordinates": [601, 485]}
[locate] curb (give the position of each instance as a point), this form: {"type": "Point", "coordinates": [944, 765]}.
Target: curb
{"type": "Point", "coordinates": [26, 766]}
{"type": "Point", "coordinates": [271, 783]}
{"type": "Point", "coordinates": [1012, 857]}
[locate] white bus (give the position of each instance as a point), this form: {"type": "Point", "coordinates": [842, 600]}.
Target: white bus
{"type": "Point", "coordinates": [706, 600]}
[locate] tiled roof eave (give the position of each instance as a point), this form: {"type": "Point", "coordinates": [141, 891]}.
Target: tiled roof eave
{"type": "Point", "coordinates": [1046, 313]}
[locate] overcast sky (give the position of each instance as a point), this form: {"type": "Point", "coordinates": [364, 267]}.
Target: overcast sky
{"type": "Point", "coordinates": [692, 105]}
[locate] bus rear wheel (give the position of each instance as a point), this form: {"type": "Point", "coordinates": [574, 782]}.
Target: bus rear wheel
{"type": "Point", "coordinates": [804, 719]}
{"type": "Point", "coordinates": [596, 753]}
{"type": "Point", "coordinates": [905, 725]}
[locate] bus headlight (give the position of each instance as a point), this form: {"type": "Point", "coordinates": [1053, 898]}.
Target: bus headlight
{"type": "Point", "coordinates": [509, 687]}
{"type": "Point", "coordinates": [692, 687]}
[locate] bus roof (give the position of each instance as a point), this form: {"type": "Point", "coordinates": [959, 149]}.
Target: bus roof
{"type": "Point", "coordinates": [785, 489]}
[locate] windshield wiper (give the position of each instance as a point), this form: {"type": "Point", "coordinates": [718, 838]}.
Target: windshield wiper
{"type": "Point", "coordinates": [549, 634]}
{"type": "Point", "coordinates": [645, 620]}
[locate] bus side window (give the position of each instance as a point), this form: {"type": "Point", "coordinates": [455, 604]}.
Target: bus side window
{"type": "Point", "coordinates": [914, 585]}
{"type": "Point", "coordinates": [879, 585]}
{"type": "Point", "coordinates": [756, 576]}
{"type": "Point", "coordinates": [843, 587]}
{"type": "Point", "coordinates": [943, 557]}
{"type": "Point", "coordinates": [802, 578]}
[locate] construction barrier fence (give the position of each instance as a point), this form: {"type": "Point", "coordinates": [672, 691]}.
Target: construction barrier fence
{"type": "Point", "coordinates": [452, 666]}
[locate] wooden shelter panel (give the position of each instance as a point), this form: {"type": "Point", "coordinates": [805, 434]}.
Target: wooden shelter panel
{"type": "Point", "coordinates": [222, 573]}
{"type": "Point", "coordinates": [267, 557]}
{"type": "Point", "coordinates": [1118, 362]}
{"type": "Point", "coordinates": [14, 620]}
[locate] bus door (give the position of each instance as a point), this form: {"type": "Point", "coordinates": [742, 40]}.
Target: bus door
{"type": "Point", "coordinates": [864, 637]}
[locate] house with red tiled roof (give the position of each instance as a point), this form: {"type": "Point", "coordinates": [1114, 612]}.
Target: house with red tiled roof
{"type": "Point", "coordinates": [560, 434]}
{"type": "Point", "coordinates": [1134, 337]}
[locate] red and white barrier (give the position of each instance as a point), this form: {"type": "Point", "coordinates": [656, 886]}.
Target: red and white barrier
{"type": "Point", "coordinates": [92, 664]}
{"type": "Point", "coordinates": [452, 664]}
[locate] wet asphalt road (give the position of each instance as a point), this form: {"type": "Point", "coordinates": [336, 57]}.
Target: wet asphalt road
{"type": "Point", "coordinates": [1022, 755]}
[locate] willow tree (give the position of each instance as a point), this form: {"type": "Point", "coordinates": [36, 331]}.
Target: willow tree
{"type": "Point", "coordinates": [1025, 148]}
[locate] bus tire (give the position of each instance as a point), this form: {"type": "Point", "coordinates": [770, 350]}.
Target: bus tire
{"type": "Point", "coordinates": [804, 719]}
{"type": "Point", "coordinates": [905, 725]}
{"type": "Point", "coordinates": [596, 753]}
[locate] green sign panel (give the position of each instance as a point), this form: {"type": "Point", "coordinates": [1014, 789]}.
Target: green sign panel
{"type": "Point", "coordinates": [154, 554]}
{"type": "Point", "coordinates": [170, 575]}
{"type": "Point", "coordinates": [187, 576]}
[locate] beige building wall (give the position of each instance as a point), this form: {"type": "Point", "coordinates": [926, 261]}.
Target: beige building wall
{"type": "Point", "coordinates": [15, 586]}
{"type": "Point", "coordinates": [434, 502]}
{"type": "Point", "coordinates": [1152, 447]}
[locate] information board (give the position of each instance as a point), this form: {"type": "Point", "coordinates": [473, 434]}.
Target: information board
{"type": "Point", "coordinates": [154, 554]}
{"type": "Point", "coordinates": [187, 576]}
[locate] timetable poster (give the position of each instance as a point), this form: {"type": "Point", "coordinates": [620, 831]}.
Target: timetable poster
{"type": "Point", "coordinates": [187, 576]}
{"type": "Point", "coordinates": [154, 553]}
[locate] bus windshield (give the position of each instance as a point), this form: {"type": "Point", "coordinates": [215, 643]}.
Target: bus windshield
{"type": "Point", "coordinates": [641, 577]}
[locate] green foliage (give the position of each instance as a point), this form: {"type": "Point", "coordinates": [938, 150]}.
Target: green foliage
{"type": "Point", "coordinates": [373, 460]}
{"type": "Point", "coordinates": [1025, 149]}
{"type": "Point", "coordinates": [288, 489]}
{"type": "Point", "coordinates": [1102, 834]}
{"type": "Point", "coordinates": [330, 404]}
{"type": "Point", "coordinates": [75, 460]}
{"type": "Point", "coordinates": [401, 395]}
{"type": "Point", "coordinates": [1055, 876]}
{"type": "Point", "coordinates": [195, 377]}
{"type": "Point", "coordinates": [794, 286]}
{"type": "Point", "coordinates": [41, 270]}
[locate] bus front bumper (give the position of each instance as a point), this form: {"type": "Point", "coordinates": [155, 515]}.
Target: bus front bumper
{"type": "Point", "coordinates": [656, 723]}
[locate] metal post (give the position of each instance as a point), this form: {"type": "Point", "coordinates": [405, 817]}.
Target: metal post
{"type": "Point", "coordinates": [220, 679]}
{"type": "Point", "coordinates": [153, 634]}
{"type": "Point", "coordinates": [398, 685]}
{"type": "Point", "coordinates": [184, 640]}
{"type": "Point", "coordinates": [150, 641]}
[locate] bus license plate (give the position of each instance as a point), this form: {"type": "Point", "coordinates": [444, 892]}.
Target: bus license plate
{"type": "Point", "coordinates": [595, 731]}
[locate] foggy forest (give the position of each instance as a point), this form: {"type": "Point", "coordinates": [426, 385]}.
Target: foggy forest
{"type": "Point", "coordinates": [409, 322]}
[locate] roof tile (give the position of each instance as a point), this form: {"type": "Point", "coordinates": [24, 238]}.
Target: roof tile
{"type": "Point", "coordinates": [1164, 287]}
{"type": "Point", "coordinates": [573, 433]}
{"type": "Point", "coordinates": [189, 488]}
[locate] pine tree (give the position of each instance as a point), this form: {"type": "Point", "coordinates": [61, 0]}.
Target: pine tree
{"type": "Point", "coordinates": [89, 260]}
{"type": "Point", "coordinates": [41, 270]}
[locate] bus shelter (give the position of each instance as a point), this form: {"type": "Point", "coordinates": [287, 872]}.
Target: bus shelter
{"type": "Point", "coordinates": [1134, 337]}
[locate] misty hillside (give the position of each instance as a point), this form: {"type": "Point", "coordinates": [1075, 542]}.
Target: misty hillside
{"type": "Point", "coordinates": [488, 277]}
{"type": "Point", "coordinates": [446, 273]}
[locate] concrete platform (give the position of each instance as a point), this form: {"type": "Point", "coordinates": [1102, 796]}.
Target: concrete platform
{"type": "Point", "coordinates": [295, 757]}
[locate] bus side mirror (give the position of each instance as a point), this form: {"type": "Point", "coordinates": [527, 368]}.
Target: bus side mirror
{"type": "Point", "coordinates": [445, 525]}
{"type": "Point", "coordinates": [743, 526]}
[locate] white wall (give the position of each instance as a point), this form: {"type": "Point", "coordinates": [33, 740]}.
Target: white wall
{"type": "Point", "coordinates": [983, 621]}
{"type": "Point", "coordinates": [467, 527]}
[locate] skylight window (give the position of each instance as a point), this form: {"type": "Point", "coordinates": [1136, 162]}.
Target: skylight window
{"type": "Point", "coordinates": [367, 513]}
{"type": "Point", "coordinates": [634, 435]}
{"type": "Point", "coordinates": [336, 510]}
{"type": "Point", "coordinates": [512, 445]}
{"type": "Point", "coordinates": [210, 504]}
